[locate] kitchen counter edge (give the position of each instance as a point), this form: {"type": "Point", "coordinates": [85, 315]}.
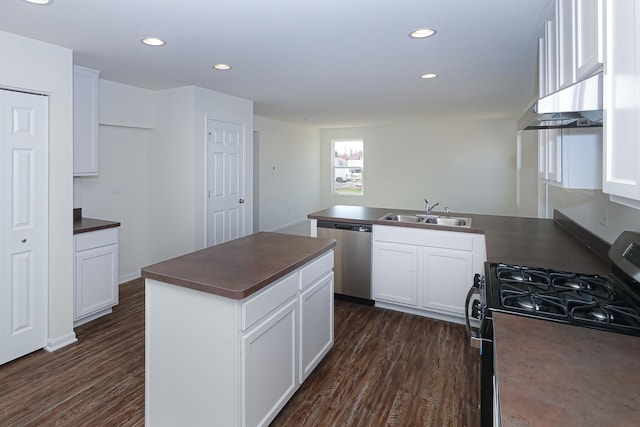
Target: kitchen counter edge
{"type": "Point", "coordinates": [534, 242]}
{"type": "Point", "coordinates": [85, 225]}
{"type": "Point", "coordinates": [241, 267]}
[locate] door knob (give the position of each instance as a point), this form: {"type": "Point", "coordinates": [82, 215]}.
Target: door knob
{"type": "Point", "coordinates": [241, 201]}
{"type": "Point", "coordinates": [24, 240]}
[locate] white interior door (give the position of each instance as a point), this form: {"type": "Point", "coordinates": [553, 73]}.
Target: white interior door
{"type": "Point", "coordinates": [23, 223]}
{"type": "Point", "coordinates": [225, 182]}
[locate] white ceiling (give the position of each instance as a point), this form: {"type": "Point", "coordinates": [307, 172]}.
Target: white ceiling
{"type": "Point", "coordinates": [326, 63]}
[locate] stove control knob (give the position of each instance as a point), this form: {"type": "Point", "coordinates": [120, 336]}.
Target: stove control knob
{"type": "Point", "coordinates": [475, 309]}
{"type": "Point", "coordinates": [477, 280]}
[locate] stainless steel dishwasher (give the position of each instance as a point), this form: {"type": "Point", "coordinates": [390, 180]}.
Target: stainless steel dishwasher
{"type": "Point", "coordinates": [352, 267]}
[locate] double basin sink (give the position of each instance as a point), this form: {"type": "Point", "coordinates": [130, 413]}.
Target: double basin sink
{"type": "Point", "coordinates": [448, 221]}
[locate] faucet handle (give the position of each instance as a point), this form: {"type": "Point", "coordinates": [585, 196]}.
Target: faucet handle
{"type": "Point", "coordinates": [447, 211]}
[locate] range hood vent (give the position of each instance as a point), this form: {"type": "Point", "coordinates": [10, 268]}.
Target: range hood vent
{"type": "Point", "coordinates": [579, 105]}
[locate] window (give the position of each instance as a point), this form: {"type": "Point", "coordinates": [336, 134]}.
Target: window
{"type": "Point", "coordinates": [348, 166]}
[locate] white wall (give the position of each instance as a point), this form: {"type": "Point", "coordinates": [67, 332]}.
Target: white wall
{"type": "Point", "coordinates": [289, 172]}
{"type": "Point", "coordinates": [592, 209]}
{"type": "Point", "coordinates": [177, 167]}
{"type": "Point", "coordinates": [120, 191]}
{"type": "Point", "coordinates": [34, 66]}
{"type": "Point", "coordinates": [171, 173]}
{"type": "Point", "coordinates": [527, 175]}
{"type": "Point", "coordinates": [468, 166]}
{"type": "Point", "coordinates": [225, 108]}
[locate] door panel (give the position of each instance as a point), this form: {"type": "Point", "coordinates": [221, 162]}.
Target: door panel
{"type": "Point", "coordinates": [225, 182]}
{"type": "Point", "coordinates": [23, 223]}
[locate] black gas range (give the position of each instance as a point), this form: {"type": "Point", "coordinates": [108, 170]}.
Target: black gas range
{"type": "Point", "coordinates": [610, 303]}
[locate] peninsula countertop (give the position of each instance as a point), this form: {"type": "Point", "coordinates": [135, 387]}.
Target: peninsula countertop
{"type": "Point", "coordinates": [555, 374]}
{"type": "Point", "coordinates": [241, 267]}
{"type": "Point", "coordinates": [530, 242]}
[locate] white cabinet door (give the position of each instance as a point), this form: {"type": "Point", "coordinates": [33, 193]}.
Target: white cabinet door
{"type": "Point", "coordinates": [571, 158]}
{"type": "Point", "coordinates": [395, 273]}
{"type": "Point", "coordinates": [542, 154]}
{"type": "Point", "coordinates": [551, 50]}
{"type": "Point", "coordinates": [316, 325]}
{"type": "Point", "coordinates": [554, 155]}
{"type": "Point", "coordinates": [566, 40]}
{"type": "Point", "coordinates": [446, 275]}
{"type": "Point", "coordinates": [622, 102]}
{"type": "Point", "coordinates": [96, 280]}
{"type": "Point", "coordinates": [23, 223]}
{"type": "Point", "coordinates": [588, 37]}
{"type": "Point", "coordinates": [86, 87]}
{"type": "Point", "coordinates": [269, 366]}
{"type": "Point", "coordinates": [550, 155]}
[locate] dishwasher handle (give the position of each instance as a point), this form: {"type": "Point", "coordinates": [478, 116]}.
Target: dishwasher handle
{"type": "Point", "coordinates": [365, 228]}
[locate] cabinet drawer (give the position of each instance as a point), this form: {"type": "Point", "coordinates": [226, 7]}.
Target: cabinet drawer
{"type": "Point", "coordinates": [432, 238]}
{"type": "Point", "coordinates": [312, 271]}
{"type": "Point", "coordinates": [268, 300]}
{"type": "Point", "coordinates": [95, 239]}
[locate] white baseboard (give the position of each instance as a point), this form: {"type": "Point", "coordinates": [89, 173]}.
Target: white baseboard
{"type": "Point", "coordinates": [128, 277]}
{"type": "Point", "coordinates": [54, 344]}
{"type": "Point", "coordinates": [421, 312]}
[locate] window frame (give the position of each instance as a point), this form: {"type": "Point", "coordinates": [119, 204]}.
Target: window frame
{"type": "Point", "coordinates": [334, 176]}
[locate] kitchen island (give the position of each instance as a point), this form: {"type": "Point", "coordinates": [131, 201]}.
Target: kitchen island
{"type": "Point", "coordinates": [232, 331]}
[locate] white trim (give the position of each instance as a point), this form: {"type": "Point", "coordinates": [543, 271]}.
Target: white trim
{"type": "Point", "coordinates": [421, 312]}
{"type": "Point", "coordinates": [129, 277]}
{"type": "Point", "coordinates": [54, 344]}
{"type": "Point", "coordinates": [93, 316]}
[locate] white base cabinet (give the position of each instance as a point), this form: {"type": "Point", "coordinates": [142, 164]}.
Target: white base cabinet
{"type": "Point", "coordinates": [211, 360]}
{"type": "Point", "coordinates": [425, 271]}
{"type": "Point", "coordinates": [96, 274]}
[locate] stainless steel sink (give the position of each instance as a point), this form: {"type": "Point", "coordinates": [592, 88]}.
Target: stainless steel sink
{"type": "Point", "coordinates": [449, 221]}
{"type": "Point", "coordinates": [428, 219]}
{"type": "Point", "coordinates": [404, 218]}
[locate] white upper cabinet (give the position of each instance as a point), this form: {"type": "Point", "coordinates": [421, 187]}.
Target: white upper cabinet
{"type": "Point", "coordinates": [622, 102]}
{"type": "Point", "coordinates": [571, 158]}
{"type": "Point", "coordinates": [86, 89]}
{"type": "Point", "coordinates": [588, 37]}
{"type": "Point", "coordinates": [551, 49]}
{"type": "Point", "coordinates": [571, 48]}
{"type": "Point", "coordinates": [566, 40]}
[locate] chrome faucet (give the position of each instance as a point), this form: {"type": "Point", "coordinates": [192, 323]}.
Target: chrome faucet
{"type": "Point", "coordinates": [428, 208]}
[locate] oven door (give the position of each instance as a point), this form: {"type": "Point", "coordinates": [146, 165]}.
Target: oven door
{"type": "Point", "coordinates": [477, 310]}
{"type": "Point", "coordinates": [473, 310]}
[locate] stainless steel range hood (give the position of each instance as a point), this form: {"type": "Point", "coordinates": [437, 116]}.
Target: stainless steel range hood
{"type": "Point", "coordinates": [579, 105]}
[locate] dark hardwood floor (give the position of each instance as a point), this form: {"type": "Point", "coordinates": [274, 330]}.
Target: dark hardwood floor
{"type": "Point", "coordinates": [386, 368]}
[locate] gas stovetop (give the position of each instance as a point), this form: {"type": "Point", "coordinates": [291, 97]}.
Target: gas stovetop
{"type": "Point", "coordinates": [589, 300]}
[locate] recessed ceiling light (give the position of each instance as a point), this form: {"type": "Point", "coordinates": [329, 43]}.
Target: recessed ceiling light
{"type": "Point", "coordinates": [40, 1]}
{"type": "Point", "coordinates": [222, 67]}
{"type": "Point", "coordinates": [152, 41]}
{"type": "Point", "coordinates": [428, 76]}
{"type": "Point", "coordinates": [422, 33]}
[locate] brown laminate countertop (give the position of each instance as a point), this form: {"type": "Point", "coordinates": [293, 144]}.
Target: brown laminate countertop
{"type": "Point", "coordinates": [238, 268]}
{"type": "Point", "coordinates": [552, 374]}
{"type": "Point", "coordinates": [530, 242]}
{"type": "Point", "coordinates": [84, 225]}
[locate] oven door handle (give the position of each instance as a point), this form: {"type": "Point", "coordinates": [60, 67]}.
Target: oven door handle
{"type": "Point", "coordinates": [471, 332]}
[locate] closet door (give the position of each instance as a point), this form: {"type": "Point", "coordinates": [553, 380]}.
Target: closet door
{"type": "Point", "coordinates": [23, 223]}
